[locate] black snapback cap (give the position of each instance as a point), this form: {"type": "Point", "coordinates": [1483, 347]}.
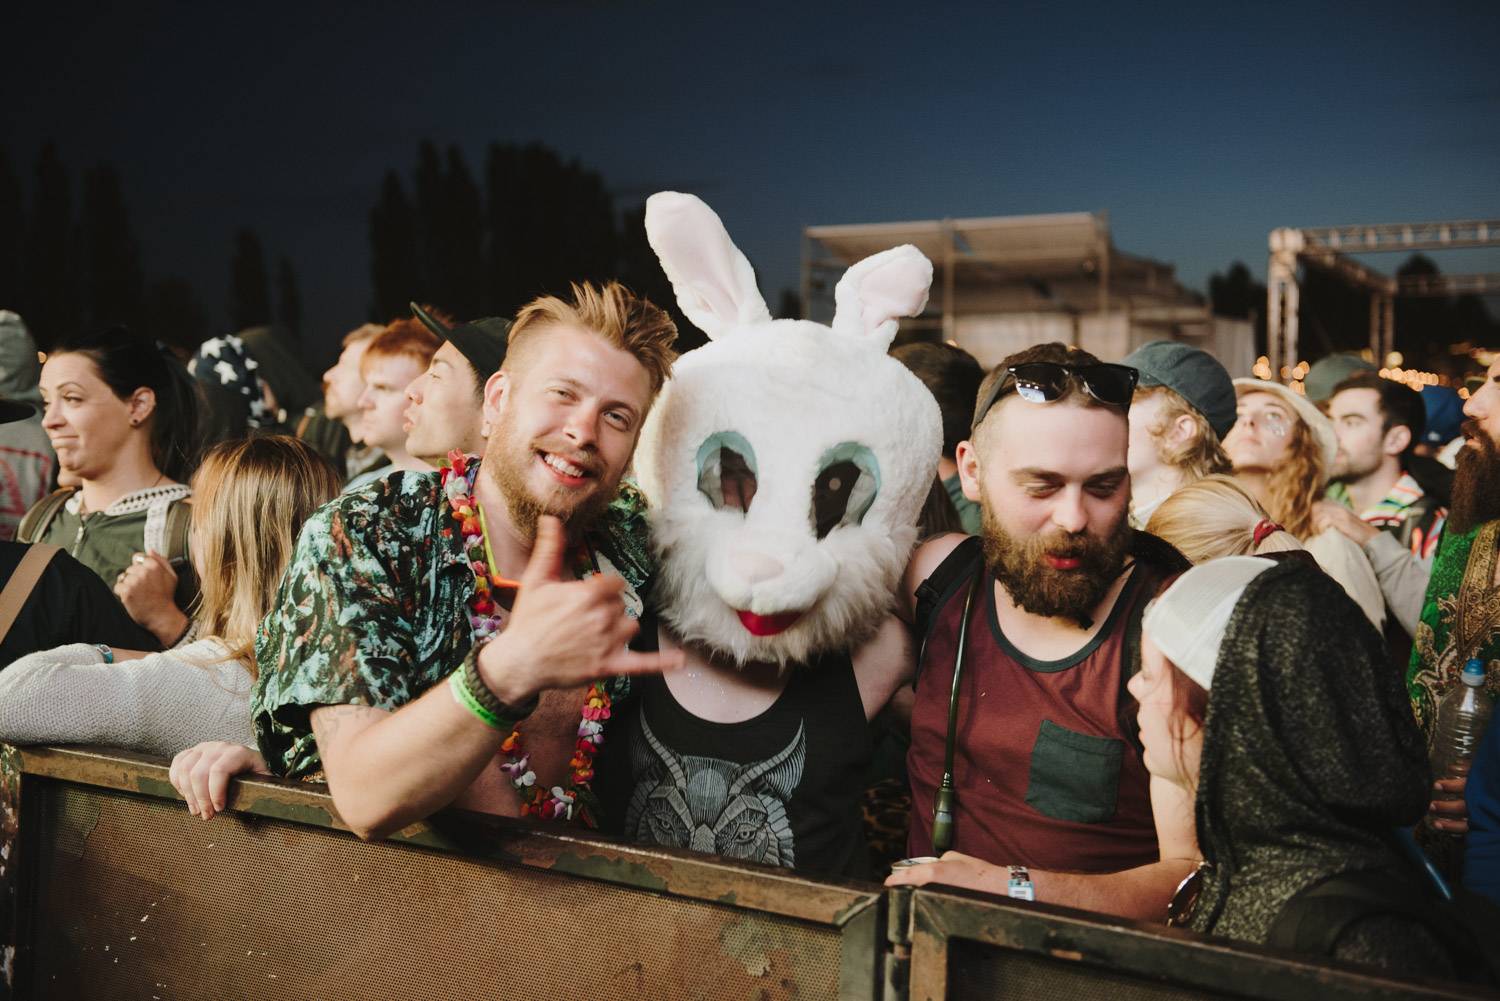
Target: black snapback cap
{"type": "Point", "coordinates": [482, 342]}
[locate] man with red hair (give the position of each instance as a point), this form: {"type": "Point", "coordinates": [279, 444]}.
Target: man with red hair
{"type": "Point", "coordinates": [394, 358]}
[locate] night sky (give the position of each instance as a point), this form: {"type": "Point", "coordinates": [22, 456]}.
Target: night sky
{"type": "Point", "coordinates": [1198, 132]}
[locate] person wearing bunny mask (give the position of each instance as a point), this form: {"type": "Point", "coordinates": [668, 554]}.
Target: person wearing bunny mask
{"type": "Point", "coordinates": [785, 466]}
{"type": "Point", "coordinates": [393, 663]}
{"type": "Point", "coordinates": [1024, 755]}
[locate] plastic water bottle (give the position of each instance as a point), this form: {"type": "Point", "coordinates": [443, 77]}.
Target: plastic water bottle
{"type": "Point", "coordinates": [1462, 715]}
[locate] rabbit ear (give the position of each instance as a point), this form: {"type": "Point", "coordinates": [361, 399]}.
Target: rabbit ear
{"type": "Point", "coordinates": [714, 283]}
{"type": "Point", "coordinates": [877, 290]}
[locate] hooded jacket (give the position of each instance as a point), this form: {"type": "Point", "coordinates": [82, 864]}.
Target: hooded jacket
{"type": "Point", "coordinates": [1311, 759]}
{"type": "Point", "coordinates": [26, 456]}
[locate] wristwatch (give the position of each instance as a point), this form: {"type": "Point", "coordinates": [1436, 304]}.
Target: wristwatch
{"type": "Point", "coordinates": [1020, 886]}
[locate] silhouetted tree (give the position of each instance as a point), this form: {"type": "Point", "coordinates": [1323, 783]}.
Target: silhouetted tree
{"type": "Point", "coordinates": [395, 254]}
{"type": "Point", "coordinates": [288, 298]}
{"type": "Point", "coordinates": [641, 271]}
{"type": "Point", "coordinates": [175, 315]}
{"type": "Point", "coordinates": [428, 197]}
{"type": "Point", "coordinates": [49, 294]}
{"type": "Point", "coordinates": [1236, 293]}
{"type": "Point", "coordinates": [12, 227]}
{"type": "Point", "coordinates": [452, 222]}
{"type": "Point", "coordinates": [1425, 324]}
{"type": "Point", "coordinates": [789, 306]}
{"type": "Point", "coordinates": [550, 223]}
{"type": "Point", "coordinates": [249, 285]}
{"type": "Point", "coordinates": [1334, 315]}
{"type": "Point", "coordinates": [114, 284]}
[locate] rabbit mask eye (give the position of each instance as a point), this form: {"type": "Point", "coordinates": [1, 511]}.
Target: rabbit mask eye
{"type": "Point", "coordinates": [847, 482]}
{"type": "Point", "coordinates": [726, 471]}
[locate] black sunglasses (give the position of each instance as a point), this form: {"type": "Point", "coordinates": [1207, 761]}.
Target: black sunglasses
{"type": "Point", "coordinates": [1045, 381]}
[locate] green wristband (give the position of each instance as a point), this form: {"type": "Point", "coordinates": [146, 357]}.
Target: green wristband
{"type": "Point", "coordinates": [465, 698]}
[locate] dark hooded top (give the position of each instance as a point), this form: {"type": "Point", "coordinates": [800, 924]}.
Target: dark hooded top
{"type": "Point", "coordinates": [1311, 760]}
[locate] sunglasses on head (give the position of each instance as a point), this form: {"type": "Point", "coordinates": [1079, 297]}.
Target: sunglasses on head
{"type": "Point", "coordinates": [1046, 381]}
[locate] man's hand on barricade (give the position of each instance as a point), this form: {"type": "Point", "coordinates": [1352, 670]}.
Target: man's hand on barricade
{"type": "Point", "coordinates": [563, 633]}
{"type": "Point", "coordinates": [954, 869]}
{"type": "Point", "coordinates": [202, 773]}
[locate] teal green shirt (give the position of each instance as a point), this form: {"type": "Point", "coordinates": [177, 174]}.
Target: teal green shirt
{"type": "Point", "coordinates": [373, 608]}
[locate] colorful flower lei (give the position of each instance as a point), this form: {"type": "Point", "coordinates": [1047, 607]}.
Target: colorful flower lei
{"type": "Point", "coordinates": [578, 799]}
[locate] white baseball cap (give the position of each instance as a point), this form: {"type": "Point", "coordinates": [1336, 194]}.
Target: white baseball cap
{"type": "Point", "coordinates": [1188, 620]}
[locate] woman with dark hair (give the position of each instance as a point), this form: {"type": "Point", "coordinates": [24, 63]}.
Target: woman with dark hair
{"type": "Point", "coordinates": [1265, 697]}
{"type": "Point", "coordinates": [122, 416]}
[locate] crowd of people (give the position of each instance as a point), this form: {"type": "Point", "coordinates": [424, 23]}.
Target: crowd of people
{"type": "Point", "coordinates": [1131, 636]}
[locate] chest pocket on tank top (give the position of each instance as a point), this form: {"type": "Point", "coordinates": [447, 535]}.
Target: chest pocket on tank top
{"type": "Point", "coordinates": [1074, 776]}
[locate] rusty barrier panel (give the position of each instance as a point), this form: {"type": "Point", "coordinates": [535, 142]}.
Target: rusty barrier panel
{"type": "Point", "coordinates": [968, 945]}
{"type": "Point", "coordinates": [123, 894]}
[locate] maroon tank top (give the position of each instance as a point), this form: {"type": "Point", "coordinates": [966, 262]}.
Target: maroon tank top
{"type": "Point", "coordinates": [1045, 776]}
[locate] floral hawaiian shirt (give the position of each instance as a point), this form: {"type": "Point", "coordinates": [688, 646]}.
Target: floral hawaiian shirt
{"type": "Point", "coordinates": [373, 608]}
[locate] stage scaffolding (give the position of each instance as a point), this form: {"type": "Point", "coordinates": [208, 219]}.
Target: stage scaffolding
{"type": "Point", "coordinates": [1328, 247]}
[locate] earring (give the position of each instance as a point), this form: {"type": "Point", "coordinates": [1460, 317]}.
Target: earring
{"type": "Point", "coordinates": [484, 429]}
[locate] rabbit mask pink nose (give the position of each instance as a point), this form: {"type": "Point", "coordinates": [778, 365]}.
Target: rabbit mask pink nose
{"type": "Point", "coordinates": [754, 567]}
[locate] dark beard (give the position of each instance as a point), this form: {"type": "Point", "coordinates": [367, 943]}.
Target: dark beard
{"type": "Point", "coordinates": [1476, 483]}
{"type": "Point", "coordinates": [1018, 564]}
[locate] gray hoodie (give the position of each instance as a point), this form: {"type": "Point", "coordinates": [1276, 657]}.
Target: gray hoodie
{"type": "Point", "coordinates": [26, 457]}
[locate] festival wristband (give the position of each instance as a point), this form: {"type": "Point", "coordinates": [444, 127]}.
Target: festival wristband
{"type": "Point", "coordinates": [465, 698]}
{"type": "Point", "coordinates": [105, 652]}
{"type": "Point", "coordinates": [473, 694]}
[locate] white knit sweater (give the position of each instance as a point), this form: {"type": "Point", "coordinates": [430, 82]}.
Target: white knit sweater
{"type": "Point", "coordinates": [159, 704]}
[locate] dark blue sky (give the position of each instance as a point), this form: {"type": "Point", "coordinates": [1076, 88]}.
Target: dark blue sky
{"type": "Point", "coordinates": [1198, 129]}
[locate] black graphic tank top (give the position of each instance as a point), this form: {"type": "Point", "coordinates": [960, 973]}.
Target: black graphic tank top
{"type": "Point", "coordinates": [782, 788]}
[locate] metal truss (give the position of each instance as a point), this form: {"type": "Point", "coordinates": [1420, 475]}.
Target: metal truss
{"type": "Point", "coordinates": [1327, 247]}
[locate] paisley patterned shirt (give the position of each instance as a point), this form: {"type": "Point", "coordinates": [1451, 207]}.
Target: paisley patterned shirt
{"type": "Point", "coordinates": [373, 608]}
{"type": "Point", "coordinates": [1460, 620]}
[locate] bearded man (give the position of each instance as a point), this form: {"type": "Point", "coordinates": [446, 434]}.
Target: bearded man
{"type": "Point", "coordinates": [394, 664]}
{"type": "Point", "coordinates": [1460, 618]}
{"type": "Point", "coordinates": [1039, 776]}
{"type": "Point", "coordinates": [1461, 615]}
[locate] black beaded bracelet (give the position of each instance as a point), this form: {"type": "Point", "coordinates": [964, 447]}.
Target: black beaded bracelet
{"type": "Point", "coordinates": [481, 692]}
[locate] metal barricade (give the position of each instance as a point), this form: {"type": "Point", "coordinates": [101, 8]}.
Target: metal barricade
{"type": "Point", "coordinates": [966, 945]}
{"type": "Point", "coordinates": [108, 888]}
{"type": "Point", "coordinates": [114, 890]}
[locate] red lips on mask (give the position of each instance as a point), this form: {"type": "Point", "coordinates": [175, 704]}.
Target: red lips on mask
{"type": "Point", "coordinates": [767, 625]}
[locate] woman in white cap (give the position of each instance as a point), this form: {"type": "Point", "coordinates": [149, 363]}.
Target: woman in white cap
{"type": "Point", "coordinates": [1283, 448]}
{"type": "Point", "coordinates": [1264, 697]}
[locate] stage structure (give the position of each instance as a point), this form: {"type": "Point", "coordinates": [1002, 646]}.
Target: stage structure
{"type": "Point", "coordinates": [1005, 282]}
{"type": "Point", "coordinates": [1328, 247]}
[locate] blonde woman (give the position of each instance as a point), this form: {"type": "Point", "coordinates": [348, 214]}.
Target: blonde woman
{"type": "Point", "coordinates": [251, 497]}
{"type": "Point", "coordinates": [1215, 517]}
{"type": "Point", "coordinates": [1282, 448]}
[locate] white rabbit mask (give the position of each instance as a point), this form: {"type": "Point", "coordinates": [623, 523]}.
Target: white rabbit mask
{"type": "Point", "coordinates": [785, 461]}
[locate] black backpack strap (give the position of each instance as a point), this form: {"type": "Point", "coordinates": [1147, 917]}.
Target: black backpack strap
{"type": "Point", "coordinates": [940, 585]}
{"type": "Point", "coordinates": [1156, 561]}
{"type": "Point", "coordinates": [179, 518]}
{"type": "Point", "coordinates": [35, 522]}
{"type": "Point", "coordinates": [1316, 918]}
